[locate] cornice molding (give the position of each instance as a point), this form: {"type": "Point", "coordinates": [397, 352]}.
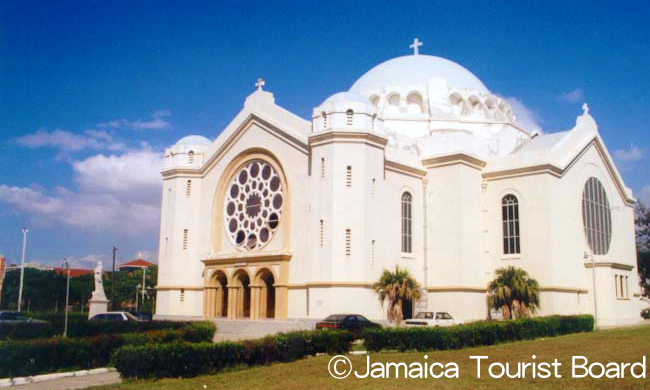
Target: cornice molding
{"type": "Point", "coordinates": [453, 159]}
{"type": "Point", "coordinates": [245, 257]}
{"type": "Point", "coordinates": [394, 166]}
{"type": "Point", "coordinates": [610, 264]}
{"type": "Point", "coordinates": [332, 136]}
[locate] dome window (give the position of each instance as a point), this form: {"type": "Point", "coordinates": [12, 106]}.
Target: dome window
{"type": "Point", "coordinates": [374, 99]}
{"type": "Point", "coordinates": [460, 106]}
{"type": "Point", "coordinates": [414, 101]}
{"type": "Point", "coordinates": [190, 157]}
{"type": "Point", "coordinates": [393, 104]}
{"type": "Point", "coordinates": [349, 117]}
{"type": "Point", "coordinates": [324, 115]}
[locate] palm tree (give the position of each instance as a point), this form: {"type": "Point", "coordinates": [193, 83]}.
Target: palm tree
{"type": "Point", "coordinates": [513, 292]}
{"type": "Point", "coordinates": [396, 288]}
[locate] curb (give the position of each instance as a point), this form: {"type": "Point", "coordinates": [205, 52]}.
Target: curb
{"type": "Point", "coordinates": [7, 382]}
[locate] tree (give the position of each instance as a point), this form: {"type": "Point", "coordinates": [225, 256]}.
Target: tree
{"type": "Point", "coordinates": [396, 288]}
{"type": "Point", "coordinates": [513, 292]}
{"type": "Point", "coordinates": [126, 283]}
{"type": "Point", "coordinates": [642, 230]}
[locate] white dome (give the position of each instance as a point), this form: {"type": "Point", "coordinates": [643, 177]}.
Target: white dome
{"type": "Point", "coordinates": [347, 97]}
{"type": "Point", "coordinates": [417, 70]}
{"type": "Point", "coordinates": [194, 140]}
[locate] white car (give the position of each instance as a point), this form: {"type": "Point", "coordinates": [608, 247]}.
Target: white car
{"type": "Point", "coordinates": [433, 318]}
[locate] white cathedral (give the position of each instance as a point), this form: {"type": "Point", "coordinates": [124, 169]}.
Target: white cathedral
{"type": "Point", "coordinates": [419, 165]}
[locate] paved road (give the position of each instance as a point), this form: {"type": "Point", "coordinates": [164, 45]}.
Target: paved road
{"type": "Point", "coordinates": [75, 382]}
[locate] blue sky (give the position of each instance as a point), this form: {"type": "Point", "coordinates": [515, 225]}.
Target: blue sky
{"type": "Point", "coordinates": [92, 91]}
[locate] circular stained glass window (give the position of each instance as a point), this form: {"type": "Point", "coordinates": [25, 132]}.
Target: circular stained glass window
{"type": "Point", "coordinates": [253, 205]}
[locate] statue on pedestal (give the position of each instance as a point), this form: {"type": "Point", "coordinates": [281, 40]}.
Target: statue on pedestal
{"type": "Point", "coordinates": [98, 302]}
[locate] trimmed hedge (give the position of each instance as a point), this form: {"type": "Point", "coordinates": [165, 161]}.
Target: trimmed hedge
{"type": "Point", "coordinates": [32, 357]}
{"type": "Point", "coordinates": [23, 331]}
{"type": "Point", "coordinates": [79, 326]}
{"type": "Point", "coordinates": [474, 334]}
{"type": "Point", "coordinates": [188, 360]}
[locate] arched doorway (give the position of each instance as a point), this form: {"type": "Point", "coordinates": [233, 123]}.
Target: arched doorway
{"type": "Point", "coordinates": [221, 294]}
{"type": "Point", "coordinates": [266, 281]}
{"type": "Point", "coordinates": [243, 298]}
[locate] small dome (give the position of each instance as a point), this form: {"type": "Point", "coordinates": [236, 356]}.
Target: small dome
{"type": "Point", "coordinates": [417, 70]}
{"type": "Point", "coordinates": [347, 97]}
{"type": "Point", "coordinates": [194, 140]}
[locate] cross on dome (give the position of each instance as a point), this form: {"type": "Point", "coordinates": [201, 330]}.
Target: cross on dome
{"type": "Point", "coordinates": [415, 46]}
{"type": "Point", "coordinates": [259, 84]}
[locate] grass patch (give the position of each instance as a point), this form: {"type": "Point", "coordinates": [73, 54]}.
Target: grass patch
{"type": "Point", "coordinates": [620, 345]}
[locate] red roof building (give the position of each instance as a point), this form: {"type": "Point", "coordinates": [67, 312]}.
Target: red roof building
{"type": "Point", "coordinates": [134, 265]}
{"type": "Point", "coordinates": [74, 272]}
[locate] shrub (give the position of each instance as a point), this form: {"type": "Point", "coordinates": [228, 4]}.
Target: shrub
{"type": "Point", "coordinates": [32, 357]}
{"type": "Point", "coordinates": [186, 360]}
{"type": "Point", "coordinates": [474, 334]}
{"type": "Point", "coordinates": [645, 313]}
{"type": "Point", "coordinates": [29, 330]}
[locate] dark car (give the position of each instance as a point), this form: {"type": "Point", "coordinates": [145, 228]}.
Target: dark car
{"type": "Point", "coordinates": [141, 315]}
{"type": "Point", "coordinates": [115, 316]}
{"type": "Point", "coordinates": [355, 323]}
{"type": "Point", "coordinates": [16, 317]}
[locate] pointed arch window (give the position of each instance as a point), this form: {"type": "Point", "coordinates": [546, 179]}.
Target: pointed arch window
{"type": "Point", "coordinates": [407, 223]}
{"type": "Point", "coordinates": [510, 218]}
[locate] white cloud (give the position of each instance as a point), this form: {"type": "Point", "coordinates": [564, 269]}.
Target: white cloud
{"type": "Point", "coordinates": [575, 96]}
{"type": "Point", "coordinates": [70, 142]}
{"type": "Point", "coordinates": [147, 256]}
{"type": "Point", "coordinates": [119, 193]}
{"type": "Point", "coordinates": [89, 261]}
{"type": "Point", "coordinates": [528, 118]}
{"type": "Point", "coordinates": [157, 122]}
{"type": "Point", "coordinates": [632, 154]}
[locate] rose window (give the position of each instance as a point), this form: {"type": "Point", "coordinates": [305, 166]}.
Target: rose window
{"type": "Point", "coordinates": [253, 205]}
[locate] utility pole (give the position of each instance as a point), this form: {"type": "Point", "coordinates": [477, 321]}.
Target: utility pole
{"type": "Point", "coordinates": [22, 269]}
{"type": "Point", "coordinates": [67, 297]}
{"type": "Point", "coordinates": [113, 281]}
{"type": "Point", "coordinates": [144, 274]}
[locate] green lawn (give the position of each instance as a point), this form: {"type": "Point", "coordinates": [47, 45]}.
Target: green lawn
{"type": "Point", "coordinates": [621, 345]}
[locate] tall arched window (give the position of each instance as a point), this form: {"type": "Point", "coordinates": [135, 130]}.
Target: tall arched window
{"type": "Point", "coordinates": [407, 223]}
{"type": "Point", "coordinates": [510, 217]}
{"type": "Point", "coordinates": [324, 115]}
{"type": "Point", "coordinates": [190, 157]}
{"type": "Point", "coordinates": [596, 216]}
{"type": "Point", "coordinates": [349, 117]}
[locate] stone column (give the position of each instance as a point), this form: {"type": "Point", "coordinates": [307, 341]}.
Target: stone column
{"type": "Point", "coordinates": [232, 302]}
{"type": "Point", "coordinates": [281, 300]}
{"type": "Point", "coordinates": [255, 302]}
{"type": "Point", "coordinates": [217, 302]}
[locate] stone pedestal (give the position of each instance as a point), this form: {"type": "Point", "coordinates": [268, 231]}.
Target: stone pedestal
{"type": "Point", "coordinates": [96, 307]}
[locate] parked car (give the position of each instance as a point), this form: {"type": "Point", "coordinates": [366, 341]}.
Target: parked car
{"type": "Point", "coordinates": [433, 318]}
{"type": "Point", "coordinates": [114, 316]}
{"type": "Point", "coordinates": [16, 317]}
{"type": "Point", "coordinates": [355, 323]}
{"type": "Point", "coordinates": [141, 315]}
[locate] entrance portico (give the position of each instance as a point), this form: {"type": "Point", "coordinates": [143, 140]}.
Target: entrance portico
{"type": "Point", "coordinates": [250, 288]}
